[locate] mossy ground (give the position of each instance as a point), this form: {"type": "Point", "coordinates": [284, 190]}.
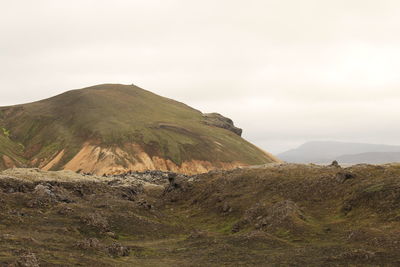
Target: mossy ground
{"type": "Point", "coordinates": [286, 215]}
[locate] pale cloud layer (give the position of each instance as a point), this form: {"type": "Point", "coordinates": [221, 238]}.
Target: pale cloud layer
{"type": "Point", "coordinates": [287, 71]}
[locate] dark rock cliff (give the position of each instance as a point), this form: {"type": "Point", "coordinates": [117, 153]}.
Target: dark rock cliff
{"type": "Point", "coordinates": [217, 120]}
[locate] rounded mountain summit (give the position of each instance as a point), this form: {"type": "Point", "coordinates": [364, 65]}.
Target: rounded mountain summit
{"type": "Point", "coordinates": [113, 128]}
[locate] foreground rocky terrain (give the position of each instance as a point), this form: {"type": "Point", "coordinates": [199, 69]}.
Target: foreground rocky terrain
{"type": "Point", "coordinates": [271, 215]}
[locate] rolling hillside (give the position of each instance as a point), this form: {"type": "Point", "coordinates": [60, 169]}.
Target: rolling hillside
{"type": "Point", "coordinates": [114, 128]}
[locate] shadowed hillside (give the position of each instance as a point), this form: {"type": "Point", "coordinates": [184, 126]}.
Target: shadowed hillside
{"type": "Point", "coordinates": [114, 128]}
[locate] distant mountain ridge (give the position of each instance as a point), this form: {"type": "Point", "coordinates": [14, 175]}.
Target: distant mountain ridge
{"type": "Point", "coordinates": [371, 157]}
{"type": "Point", "coordinates": [321, 152]}
{"type": "Point", "coordinates": [113, 128]}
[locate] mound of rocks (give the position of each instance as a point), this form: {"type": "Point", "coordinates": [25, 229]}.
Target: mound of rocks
{"type": "Point", "coordinates": [96, 221]}
{"type": "Point", "coordinates": [27, 259]}
{"type": "Point", "coordinates": [115, 249]}
{"type": "Point", "coordinates": [283, 214]}
{"type": "Point", "coordinates": [150, 176]}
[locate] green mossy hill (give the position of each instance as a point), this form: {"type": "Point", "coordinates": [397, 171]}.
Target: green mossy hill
{"type": "Point", "coordinates": [112, 115]}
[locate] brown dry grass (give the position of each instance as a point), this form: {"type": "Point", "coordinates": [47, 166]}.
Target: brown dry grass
{"type": "Point", "coordinates": [280, 215]}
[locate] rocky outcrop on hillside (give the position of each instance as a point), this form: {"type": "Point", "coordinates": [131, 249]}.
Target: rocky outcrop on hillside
{"type": "Point", "coordinates": [217, 120]}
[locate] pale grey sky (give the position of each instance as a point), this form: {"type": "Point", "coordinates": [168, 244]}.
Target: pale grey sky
{"type": "Point", "coordinates": [286, 71]}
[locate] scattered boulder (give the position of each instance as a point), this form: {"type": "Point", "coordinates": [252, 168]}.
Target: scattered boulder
{"type": "Point", "coordinates": [226, 208]}
{"type": "Point", "coordinates": [96, 221]}
{"type": "Point", "coordinates": [89, 244]}
{"type": "Point", "coordinates": [343, 176]}
{"type": "Point", "coordinates": [42, 197]}
{"type": "Point", "coordinates": [335, 164]}
{"type": "Point", "coordinates": [143, 203]}
{"type": "Point", "coordinates": [238, 226]}
{"type": "Point", "coordinates": [43, 190]}
{"type": "Point", "coordinates": [114, 250]}
{"type": "Point", "coordinates": [129, 193]}
{"type": "Point", "coordinates": [118, 250]}
{"type": "Point", "coordinates": [28, 259]}
{"type": "Point", "coordinates": [64, 210]}
{"type": "Point", "coordinates": [111, 235]}
{"type": "Point", "coordinates": [176, 183]}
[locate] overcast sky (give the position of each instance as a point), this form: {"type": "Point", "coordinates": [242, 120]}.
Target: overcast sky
{"type": "Point", "coordinates": [286, 71]}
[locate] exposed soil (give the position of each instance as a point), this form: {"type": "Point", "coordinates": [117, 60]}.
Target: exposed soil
{"type": "Point", "coordinates": [97, 160]}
